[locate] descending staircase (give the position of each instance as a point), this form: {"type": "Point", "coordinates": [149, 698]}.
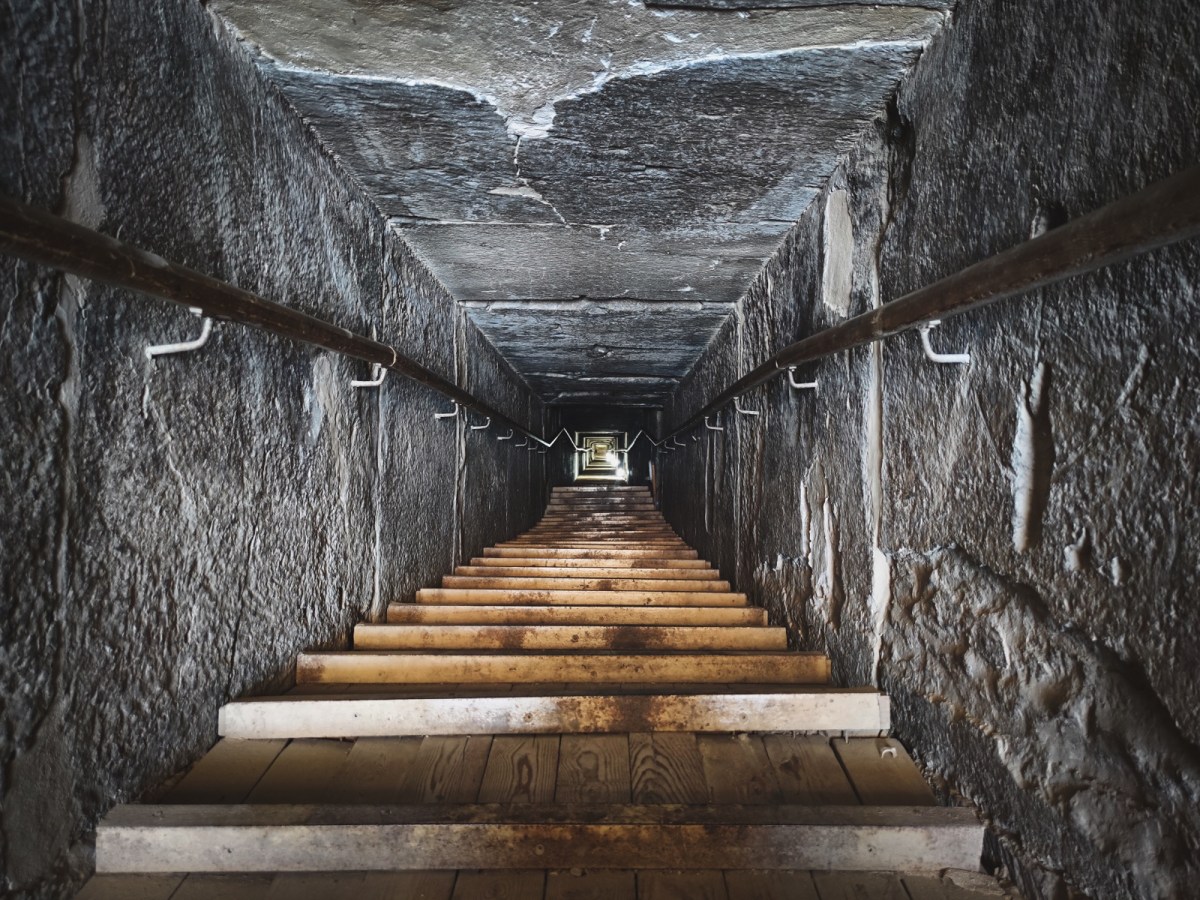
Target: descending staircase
{"type": "Point", "coordinates": [585, 711]}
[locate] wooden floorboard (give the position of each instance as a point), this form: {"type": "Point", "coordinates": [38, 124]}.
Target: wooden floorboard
{"type": "Point", "coordinates": [859, 886]}
{"type": "Point", "coordinates": [764, 885]}
{"type": "Point", "coordinates": [227, 773]}
{"type": "Point", "coordinates": [363, 666]}
{"type": "Point", "coordinates": [737, 769]}
{"type": "Point", "coordinates": [591, 884]}
{"type": "Point", "coordinates": [666, 768]}
{"type": "Point", "coordinates": [883, 773]}
{"type": "Point", "coordinates": [593, 768]}
{"type": "Point", "coordinates": [704, 884]}
{"type": "Point", "coordinates": [808, 771]}
{"type": "Point", "coordinates": [482, 614]}
{"type": "Point", "coordinates": [304, 772]}
{"type": "Point", "coordinates": [521, 769]}
{"type": "Point", "coordinates": [499, 885]}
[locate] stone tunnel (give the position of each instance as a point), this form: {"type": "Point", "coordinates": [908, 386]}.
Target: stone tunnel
{"type": "Point", "coordinates": [592, 218]}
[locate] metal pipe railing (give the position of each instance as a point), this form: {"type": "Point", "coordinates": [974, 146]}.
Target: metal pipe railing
{"type": "Point", "coordinates": [1164, 213]}
{"type": "Point", "coordinates": [50, 240]}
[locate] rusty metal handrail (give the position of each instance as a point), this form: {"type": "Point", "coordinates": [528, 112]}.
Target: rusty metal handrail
{"type": "Point", "coordinates": [1163, 213]}
{"type": "Point", "coordinates": [50, 240]}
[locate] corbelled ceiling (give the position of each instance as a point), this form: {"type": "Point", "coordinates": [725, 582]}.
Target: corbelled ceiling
{"type": "Point", "coordinates": [596, 181]}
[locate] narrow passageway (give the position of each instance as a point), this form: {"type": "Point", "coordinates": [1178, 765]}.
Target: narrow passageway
{"type": "Point", "coordinates": [585, 711]}
{"type": "Point", "coordinates": [669, 448]}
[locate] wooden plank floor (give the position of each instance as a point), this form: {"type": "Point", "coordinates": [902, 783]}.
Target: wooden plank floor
{"type": "Point", "coordinates": [660, 768]}
{"type": "Point", "coordinates": [575, 884]}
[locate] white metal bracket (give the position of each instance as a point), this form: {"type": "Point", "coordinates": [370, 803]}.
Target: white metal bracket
{"type": "Point", "coordinates": [953, 359]}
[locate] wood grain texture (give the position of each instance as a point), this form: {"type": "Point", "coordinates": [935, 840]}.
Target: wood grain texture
{"type": "Point", "coordinates": [593, 769]}
{"type": "Point", "coordinates": [407, 886]}
{"type": "Point", "coordinates": [499, 885]}
{"type": "Point", "coordinates": [953, 885]}
{"type": "Point", "coordinates": [224, 887]}
{"type": "Point", "coordinates": [591, 884]}
{"type": "Point", "coordinates": [130, 887]}
{"type": "Point", "coordinates": [808, 771]}
{"type": "Point", "coordinates": [883, 773]}
{"type": "Point", "coordinates": [376, 769]}
{"type": "Point", "coordinates": [707, 884]}
{"type": "Point", "coordinates": [520, 769]}
{"type": "Point", "coordinates": [742, 884]}
{"type": "Point", "coordinates": [666, 768]}
{"type": "Point", "coordinates": [737, 769]}
{"type": "Point", "coordinates": [447, 769]}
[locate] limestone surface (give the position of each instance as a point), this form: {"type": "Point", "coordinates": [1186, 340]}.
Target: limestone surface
{"type": "Point", "coordinates": [580, 151]}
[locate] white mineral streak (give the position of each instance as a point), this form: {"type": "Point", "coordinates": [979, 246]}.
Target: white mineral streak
{"type": "Point", "coordinates": [1025, 460]}
{"type": "Point", "coordinates": [529, 59]}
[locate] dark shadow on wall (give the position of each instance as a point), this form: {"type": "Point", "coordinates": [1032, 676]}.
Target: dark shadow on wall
{"type": "Point", "coordinates": [176, 530]}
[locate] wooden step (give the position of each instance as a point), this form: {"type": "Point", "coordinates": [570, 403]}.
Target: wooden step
{"type": "Point", "coordinates": [369, 667]}
{"type": "Point", "coordinates": [580, 553]}
{"type": "Point", "coordinates": [580, 598]}
{"type": "Point", "coordinates": [502, 571]}
{"type": "Point", "coordinates": [571, 583]}
{"type": "Point", "coordinates": [576, 539]}
{"type": "Point", "coordinates": [604, 549]}
{"type": "Point", "coordinates": [566, 637]}
{"type": "Point", "coordinates": [567, 562]}
{"type": "Point", "coordinates": [584, 530]}
{"type": "Point", "coordinates": [778, 709]}
{"type": "Point", "coordinates": [650, 518]}
{"type": "Point", "coordinates": [639, 503]}
{"type": "Point", "coordinates": [620, 489]}
{"type": "Point", "coordinates": [435, 614]}
{"type": "Point", "coordinates": [283, 838]}
{"type": "Point", "coordinates": [601, 506]}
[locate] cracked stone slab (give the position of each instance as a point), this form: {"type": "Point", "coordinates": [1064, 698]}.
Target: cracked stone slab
{"type": "Point", "coordinates": [522, 57]}
{"type": "Point", "coordinates": [584, 349]}
{"type": "Point", "coordinates": [518, 262]}
{"type": "Point", "coordinates": [584, 150]}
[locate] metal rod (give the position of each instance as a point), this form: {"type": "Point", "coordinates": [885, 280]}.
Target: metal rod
{"type": "Point", "coordinates": [1164, 213]}
{"type": "Point", "coordinates": [41, 237]}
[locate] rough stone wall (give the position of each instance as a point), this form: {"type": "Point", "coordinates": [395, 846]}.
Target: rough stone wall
{"type": "Point", "coordinates": [1008, 547]}
{"type": "Point", "coordinates": [175, 531]}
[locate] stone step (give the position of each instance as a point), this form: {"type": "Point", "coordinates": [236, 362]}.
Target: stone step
{"type": "Point", "coordinates": [379, 667]}
{"type": "Point", "coordinates": [593, 562]}
{"type": "Point", "coordinates": [664, 574]}
{"type": "Point", "coordinates": [304, 838]}
{"type": "Point", "coordinates": [529, 552]}
{"type": "Point", "coordinates": [566, 637]}
{"type": "Point", "coordinates": [542, 710]}
{"type": "Point", "coordinates": [575, 583]}
{"type": "Point", "coordinates": [527, 597]}
{"type": "Point", "coordinates": [435, 614]}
